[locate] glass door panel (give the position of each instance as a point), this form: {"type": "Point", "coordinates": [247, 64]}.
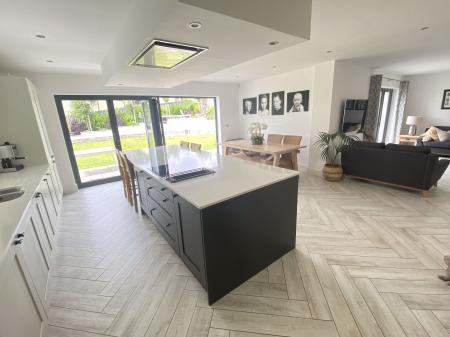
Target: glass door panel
{"type": "Point", "coordinates": [189, 119]}
{"type": "Point", "coordinates": [131, 123]}
{"type": "Point", "coordinates": [91, 137]}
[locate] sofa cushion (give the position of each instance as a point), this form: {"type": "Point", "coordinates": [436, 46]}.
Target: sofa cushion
{"type": "Point", "coordinates": [407, 148]}
{"type": "Point", "coordinates": [369, 145]}
{"type": "Point", "coordinates": [444, 136]}
{"type": "Point", "coordinates": [431, 132]}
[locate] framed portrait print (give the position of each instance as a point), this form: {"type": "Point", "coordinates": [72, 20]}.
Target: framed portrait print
{"type": "Point", "coordinates": [264, 105]}
{"type": "Point", "coordinates": [297, 101]}
{"type": "Point", "coordinates": [249, 106]}
{"type": "Point", "coordinates": [278, 103]}
{"type": "Point", "coordinates": [446, 99]}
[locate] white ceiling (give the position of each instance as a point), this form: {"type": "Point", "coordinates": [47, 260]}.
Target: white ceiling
{"type": "Point", "coordinates": [82, 38]}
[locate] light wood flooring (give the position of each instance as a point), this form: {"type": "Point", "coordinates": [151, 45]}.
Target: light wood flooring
{"type": "Point", "coordinates": [366, 264]}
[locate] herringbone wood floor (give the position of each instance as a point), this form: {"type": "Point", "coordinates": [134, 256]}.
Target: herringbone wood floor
{"type": "Point", "coordinates": [366, 264]}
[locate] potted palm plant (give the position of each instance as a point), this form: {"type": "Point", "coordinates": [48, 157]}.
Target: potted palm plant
{"type": "Point", "coordinates": [331, 145]}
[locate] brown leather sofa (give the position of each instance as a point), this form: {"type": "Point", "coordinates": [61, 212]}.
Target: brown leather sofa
{"type": "Point", "coordinates": [405, 166]}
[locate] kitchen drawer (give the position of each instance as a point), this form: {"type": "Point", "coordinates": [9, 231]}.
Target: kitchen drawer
{"type": "Point", "coordinates": [164, 201]}
{"type": "Point", "coordinates": [160, 188]}
{"type": "Point", "coordinates": [166, 224]}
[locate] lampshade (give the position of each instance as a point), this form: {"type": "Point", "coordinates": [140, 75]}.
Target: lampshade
{"type": "Point", "coordinates": [413, 120]}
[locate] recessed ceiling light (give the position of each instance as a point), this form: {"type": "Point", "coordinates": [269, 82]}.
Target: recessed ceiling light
{"type": "Point", "coordinates": [425, 28]}
{"type": "Point", "coordinates": [195, 25]}
{"type": "Point", "coordinates": [40, 36]}
{"type": "Point", "coordinates": [274, 67]}
{"type": "Point", "coordinates": [329, 51]}
{"type": "Point", "coordinates": [119, 83]}
{"type": "Point", "coordinates": [274, 43]}
{"type": "Point", "coordinates": [49, 61]}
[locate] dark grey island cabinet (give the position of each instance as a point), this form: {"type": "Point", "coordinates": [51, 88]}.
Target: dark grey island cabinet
{"type": "Point", "coordinates": [225, 243]}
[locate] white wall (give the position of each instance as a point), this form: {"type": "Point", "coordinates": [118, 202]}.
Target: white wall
{"type": "Point", "coordinates": [350, 82]}
{"type": "Point", "coordinates": [425, 99]}
{"type": "Point", "coordinates": [49, 85]}
{"type": "Point", "coordinates": [298, 123]}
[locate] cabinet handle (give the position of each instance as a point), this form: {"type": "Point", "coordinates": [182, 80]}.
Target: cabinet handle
{"type": "Point", "coordinates": [45, 179]}
{"type": "Point", "coordinates": [53, 161]}
{"type": "Point", "coordinates": [52, 156]}
{"type": "Point", "coordinates": [168, 224]}
{"type": "Point", "coordinates": [163, 188]}
{"type": "Point", "coordinates": [165, 200]}
{"type": "Point", "coordinates": [20, 235]}
{"type": "Point", "coordinates": [38, 195]}
{"type": "Point", "coordinates": [148, 178]}
{"type": "Point", "coordinates": [17, 242]}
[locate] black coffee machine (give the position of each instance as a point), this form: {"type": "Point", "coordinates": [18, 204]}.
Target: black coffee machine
{"type": "Point", "coordinates": [7, 155]}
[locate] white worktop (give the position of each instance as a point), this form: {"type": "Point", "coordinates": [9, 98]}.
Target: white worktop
{"type": "Point", "coordinates": [233, 176]}
{"type": "Point", "coordinates": [12, 211]}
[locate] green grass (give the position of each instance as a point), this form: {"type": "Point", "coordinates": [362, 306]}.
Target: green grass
{"type": "Point", "coordinates": [208, 142]}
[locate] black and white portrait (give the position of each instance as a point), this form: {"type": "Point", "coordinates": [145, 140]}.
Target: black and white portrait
{"type": "Point", "coordinates": [298, 101]}
{"type": "Point", "coordinates": [249, 106]}
{"type": "Point", "coordinates": [264, 105]}
{"type": "Point", "coordinates": [278, 103]}
{"type": "Point", "coordinates": [446, 99]}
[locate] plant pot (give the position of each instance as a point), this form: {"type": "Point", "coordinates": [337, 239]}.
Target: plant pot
{"type": "Point", "coordinates": [257, 140]}
{"type": "Point", "coordinates": [332, 172]}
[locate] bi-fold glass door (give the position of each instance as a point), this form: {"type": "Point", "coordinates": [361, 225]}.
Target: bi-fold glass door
{"type": "Point", "coordinates": [95, 127]}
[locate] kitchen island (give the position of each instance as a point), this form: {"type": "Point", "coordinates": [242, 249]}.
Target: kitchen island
{"type": "Point", "coordinates": [225, 226]}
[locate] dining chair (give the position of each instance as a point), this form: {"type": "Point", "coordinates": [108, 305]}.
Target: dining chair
{"type": "Point", "coordinates": [184, 144]}
{"type": "Point", "coordinates": [286, 158]}
{"type": "Point", "coordinates": [122, 172]}
{"type": "Point", "coordinates": [126, 178]}
{"type": "Point", "coordinates": [133, 181]}
{"type": "Point", "coordinates": [274, 138]}
{"type": "Point", "coordinates": [196, 147]}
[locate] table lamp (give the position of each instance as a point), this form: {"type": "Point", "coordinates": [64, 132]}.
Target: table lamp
{"type": "Point", "coordinates": [413, 121]}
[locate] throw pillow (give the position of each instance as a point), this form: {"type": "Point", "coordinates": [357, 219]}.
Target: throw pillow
{"type": "Point", "coordinates": [444, 136]}
{"type": "Point", "coordinates": [431, 132]}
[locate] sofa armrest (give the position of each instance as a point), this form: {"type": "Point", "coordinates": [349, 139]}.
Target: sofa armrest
{"type": "Point", "coordinates": [439, 170]}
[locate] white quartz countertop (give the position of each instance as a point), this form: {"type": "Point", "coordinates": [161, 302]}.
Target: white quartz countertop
{"type": "Point", "coordinates": [12, 211]}
{"type": "Point", "coordinates": [233, 176]}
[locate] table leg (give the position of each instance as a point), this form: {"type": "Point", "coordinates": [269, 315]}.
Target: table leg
{"type": "Point", "coordinates": [294, 160]}
{"type": "Point", "coordinates": [226, 150]}
{"type": "Point", "coordinates": [276, 159]}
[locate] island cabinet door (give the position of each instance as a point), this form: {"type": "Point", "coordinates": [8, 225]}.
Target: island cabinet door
{"type": "Point", "coordinates": [190, 238]}
{"type": "Point", "coordinates": [142, 191]}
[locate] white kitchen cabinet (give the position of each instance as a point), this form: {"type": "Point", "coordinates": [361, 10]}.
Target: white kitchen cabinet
{"type": "Point", "coordinates": [20, 314]}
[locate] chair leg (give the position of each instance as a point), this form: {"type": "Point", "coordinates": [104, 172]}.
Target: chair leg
{"type": "Point", "coordinates": [426, 194]}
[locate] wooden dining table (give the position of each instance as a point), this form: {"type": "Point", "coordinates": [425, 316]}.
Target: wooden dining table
{"type": "Point", "coordinates": [275, 151]}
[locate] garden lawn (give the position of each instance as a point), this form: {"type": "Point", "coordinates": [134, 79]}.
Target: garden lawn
{"type": "Point", "coordinates": [208, 142]}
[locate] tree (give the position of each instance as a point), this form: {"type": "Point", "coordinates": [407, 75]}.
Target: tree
{"type": "Point", "coordinates": [82, 111]}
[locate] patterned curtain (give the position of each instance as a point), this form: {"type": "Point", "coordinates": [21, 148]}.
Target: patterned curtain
{"type": "Point", "coordinates": [371, 123]}
{"type": "Point", "coordinates": [402, 95]}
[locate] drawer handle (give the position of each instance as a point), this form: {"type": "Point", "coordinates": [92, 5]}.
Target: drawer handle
{"type": "Point", "coordinates": [38, 195]}
{"type": "Point", "coordinates": [150, 187]}
{"type": "Point", "coordinates": [148, 178]}
{"type": "Point", "coordinates": [20, 235]}
{"type": "Point", "coordinates": [17, 242]}
{"type": "Point", "coordinates": [165, 200]}
{"type": "Point", "coordinates": [168, 224]}
{"type": "Point", "coordinates": [163, 188]}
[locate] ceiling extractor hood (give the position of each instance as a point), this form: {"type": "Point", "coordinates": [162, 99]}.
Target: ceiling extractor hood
{"type": "Point", "coordinates": [165, 54]}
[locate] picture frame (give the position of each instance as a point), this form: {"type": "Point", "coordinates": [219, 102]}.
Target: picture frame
{"type": "Point", "coordinates": [249, 106]}
{"type": "Point", "coordinates": [277, 103]}
{"type": "Point", "coordinates": [446, 100]}
{"type": "Point", "coordinates": [297, 101]}
{"type": "Point", "coordinates": [264, 104]}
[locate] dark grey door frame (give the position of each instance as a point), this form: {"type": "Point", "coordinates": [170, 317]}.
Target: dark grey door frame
{"type": "Point", "coordinates": [156, 121]}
